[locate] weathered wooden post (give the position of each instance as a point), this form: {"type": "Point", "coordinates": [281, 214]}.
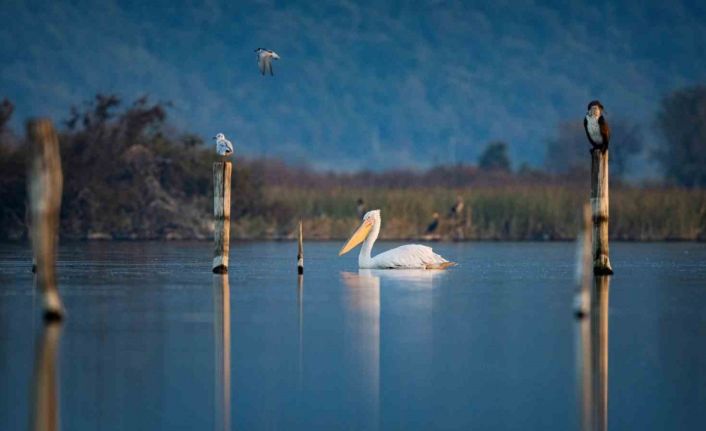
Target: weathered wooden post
{"type": "Point", "coordinates": [599, 205]}
{"type": "Point", "coordinates": [221, 212]}
{"type": "Point", "coordinates": [44, 186]}
{"type": "Point", "coordinates": [300, 254]}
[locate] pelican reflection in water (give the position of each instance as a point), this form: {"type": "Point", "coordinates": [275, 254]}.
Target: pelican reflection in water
{"type": "Point", "coordinates": [362, 332]}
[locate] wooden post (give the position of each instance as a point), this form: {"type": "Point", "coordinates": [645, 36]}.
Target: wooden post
{"type": "Point", "coordinates": [300, 254]}
{"type": "Point", "coordinates": [599, 205]}
{"type": "Point", "coordinates": [44, 186]}
{"type": "Point", "coordinates": [221, 212]}
{"type": "Point", "coordinates": [583, 265]}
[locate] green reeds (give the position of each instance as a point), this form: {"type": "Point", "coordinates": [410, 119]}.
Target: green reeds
{"type": "Point", "coordinates": [532, 212]}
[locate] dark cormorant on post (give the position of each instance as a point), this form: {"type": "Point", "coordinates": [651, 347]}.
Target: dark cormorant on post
{"type": "Point", "coordinates": [596, 127]}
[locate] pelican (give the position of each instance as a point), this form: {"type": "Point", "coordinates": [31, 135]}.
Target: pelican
{"type": "Point", "coordinates": [404, 257]}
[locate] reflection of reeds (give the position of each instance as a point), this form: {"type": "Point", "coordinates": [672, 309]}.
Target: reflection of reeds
{"type": "Point", "coordinates": [45, 388]}
{"type": "Point", "coordinates": [532, 212]}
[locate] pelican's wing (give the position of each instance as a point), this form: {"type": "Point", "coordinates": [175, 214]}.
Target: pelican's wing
{"type": "Point", "coordinates": [411, 256]}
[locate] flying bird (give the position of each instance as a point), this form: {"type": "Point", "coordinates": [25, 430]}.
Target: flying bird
{"type": "Point", "coordinates": [264, 60]}
{"type": "Point", "coordinates": [597, 130]}
{"type": "Point", "coordinates": [223, 146]}
{"type": "Point", "coordinates": [409, 256]}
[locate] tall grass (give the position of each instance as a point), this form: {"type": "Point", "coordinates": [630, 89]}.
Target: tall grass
{"type": "Point", "coordinates": [532, 212]}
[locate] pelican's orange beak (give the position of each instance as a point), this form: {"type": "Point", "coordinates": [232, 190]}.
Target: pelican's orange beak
{"type": "Point", "coordinates": [358, 236]}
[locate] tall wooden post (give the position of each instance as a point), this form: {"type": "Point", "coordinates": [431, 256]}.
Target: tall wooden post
{"type": "Point", "coordinates": [300, 254]}
{"type": "Point", "coordinates": [221, 212]}
{"type": "Point", "coordinates": [44, 188]}
{"type": "Point", "coordinates": [599, 206]}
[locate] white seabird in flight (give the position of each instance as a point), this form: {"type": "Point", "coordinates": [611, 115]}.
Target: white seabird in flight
{"type": "Point", "coordinates": [264, 60]}
{"type": "Point", "coordinates": [223, 146]}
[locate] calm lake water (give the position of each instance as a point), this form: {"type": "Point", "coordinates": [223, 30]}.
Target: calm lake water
{"type": "Point", "coordinates": [154, 341]}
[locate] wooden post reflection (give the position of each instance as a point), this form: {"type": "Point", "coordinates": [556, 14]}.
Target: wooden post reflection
{"type": "Point", "coordinates": [221, 328]}
{"type": "Point", "coordinates": [593, 363]}
{"type": "Point", "coordinates": [582, 299]}
{"type": "Point", "coordinates": [45, 386]}
{"type": "Point", "coordinates": [300, 305]}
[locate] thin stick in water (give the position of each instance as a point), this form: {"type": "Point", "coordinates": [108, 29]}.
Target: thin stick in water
{"type": "Point", "coordinates": [300, 254]}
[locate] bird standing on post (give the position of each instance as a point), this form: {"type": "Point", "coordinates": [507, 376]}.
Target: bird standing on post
{"type": "Point", "coordinates": [264, 60]}
{"type": "Point", "coordinates": [597, 130]}
{"type": "Point", "coordinates": [223, 146]}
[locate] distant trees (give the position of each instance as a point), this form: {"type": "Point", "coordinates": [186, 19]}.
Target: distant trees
{"type": "Point", "coordinates": [682, 122]}
{"type": "Point", "coordinates": [567, 152]}
{"type": "Point", "coordinates": [6, 109]}
{"type": "Point", "coordinates": [127, 174]}
{"type": "Point", "coordinates": [494, 157]}
{"type": "Point", "coordinates": [12, 177]}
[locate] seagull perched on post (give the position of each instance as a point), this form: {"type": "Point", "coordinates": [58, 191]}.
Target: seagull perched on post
{"type": "Point", "coordinates": [264, 60]}
{"type": "Point", "coordinates": [597, 130]}
{"type": "Point", "coordinates": [223, 146]}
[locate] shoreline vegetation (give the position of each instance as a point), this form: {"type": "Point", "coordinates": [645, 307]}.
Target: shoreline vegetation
{"type": "Point", "coordinates": [130, 176]}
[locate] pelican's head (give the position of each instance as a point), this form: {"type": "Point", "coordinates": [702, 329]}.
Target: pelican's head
{"type": "Point", "coordinates": [369, 220]}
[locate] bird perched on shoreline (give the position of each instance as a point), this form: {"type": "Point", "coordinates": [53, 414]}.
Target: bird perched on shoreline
{"type": "Point", "coordinates": [264, 60]}
{"type": "Point", "coordinates": [597, 130]}
{"type": "Point", "coordinates": [223, 146]}
{"type": "Point", "coordinates": [433, 225]}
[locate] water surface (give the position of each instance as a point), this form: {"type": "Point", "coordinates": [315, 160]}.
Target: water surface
{"type": "Point", "coordinates": [153, 340]}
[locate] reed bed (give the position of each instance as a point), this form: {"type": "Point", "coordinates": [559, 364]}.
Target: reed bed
{"type": "Point", "coordinates": [532, 212]}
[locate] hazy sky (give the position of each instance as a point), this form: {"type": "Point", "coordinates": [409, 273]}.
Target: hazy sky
{"type": "Point", "coordinates": [359, 84]}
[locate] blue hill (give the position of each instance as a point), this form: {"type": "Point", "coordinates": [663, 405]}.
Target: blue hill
{"type": "Point", "coordinates": [359, 84]}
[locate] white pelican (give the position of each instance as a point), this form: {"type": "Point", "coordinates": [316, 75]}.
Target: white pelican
{"type": "Point", "coordinates": [407, 256]}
